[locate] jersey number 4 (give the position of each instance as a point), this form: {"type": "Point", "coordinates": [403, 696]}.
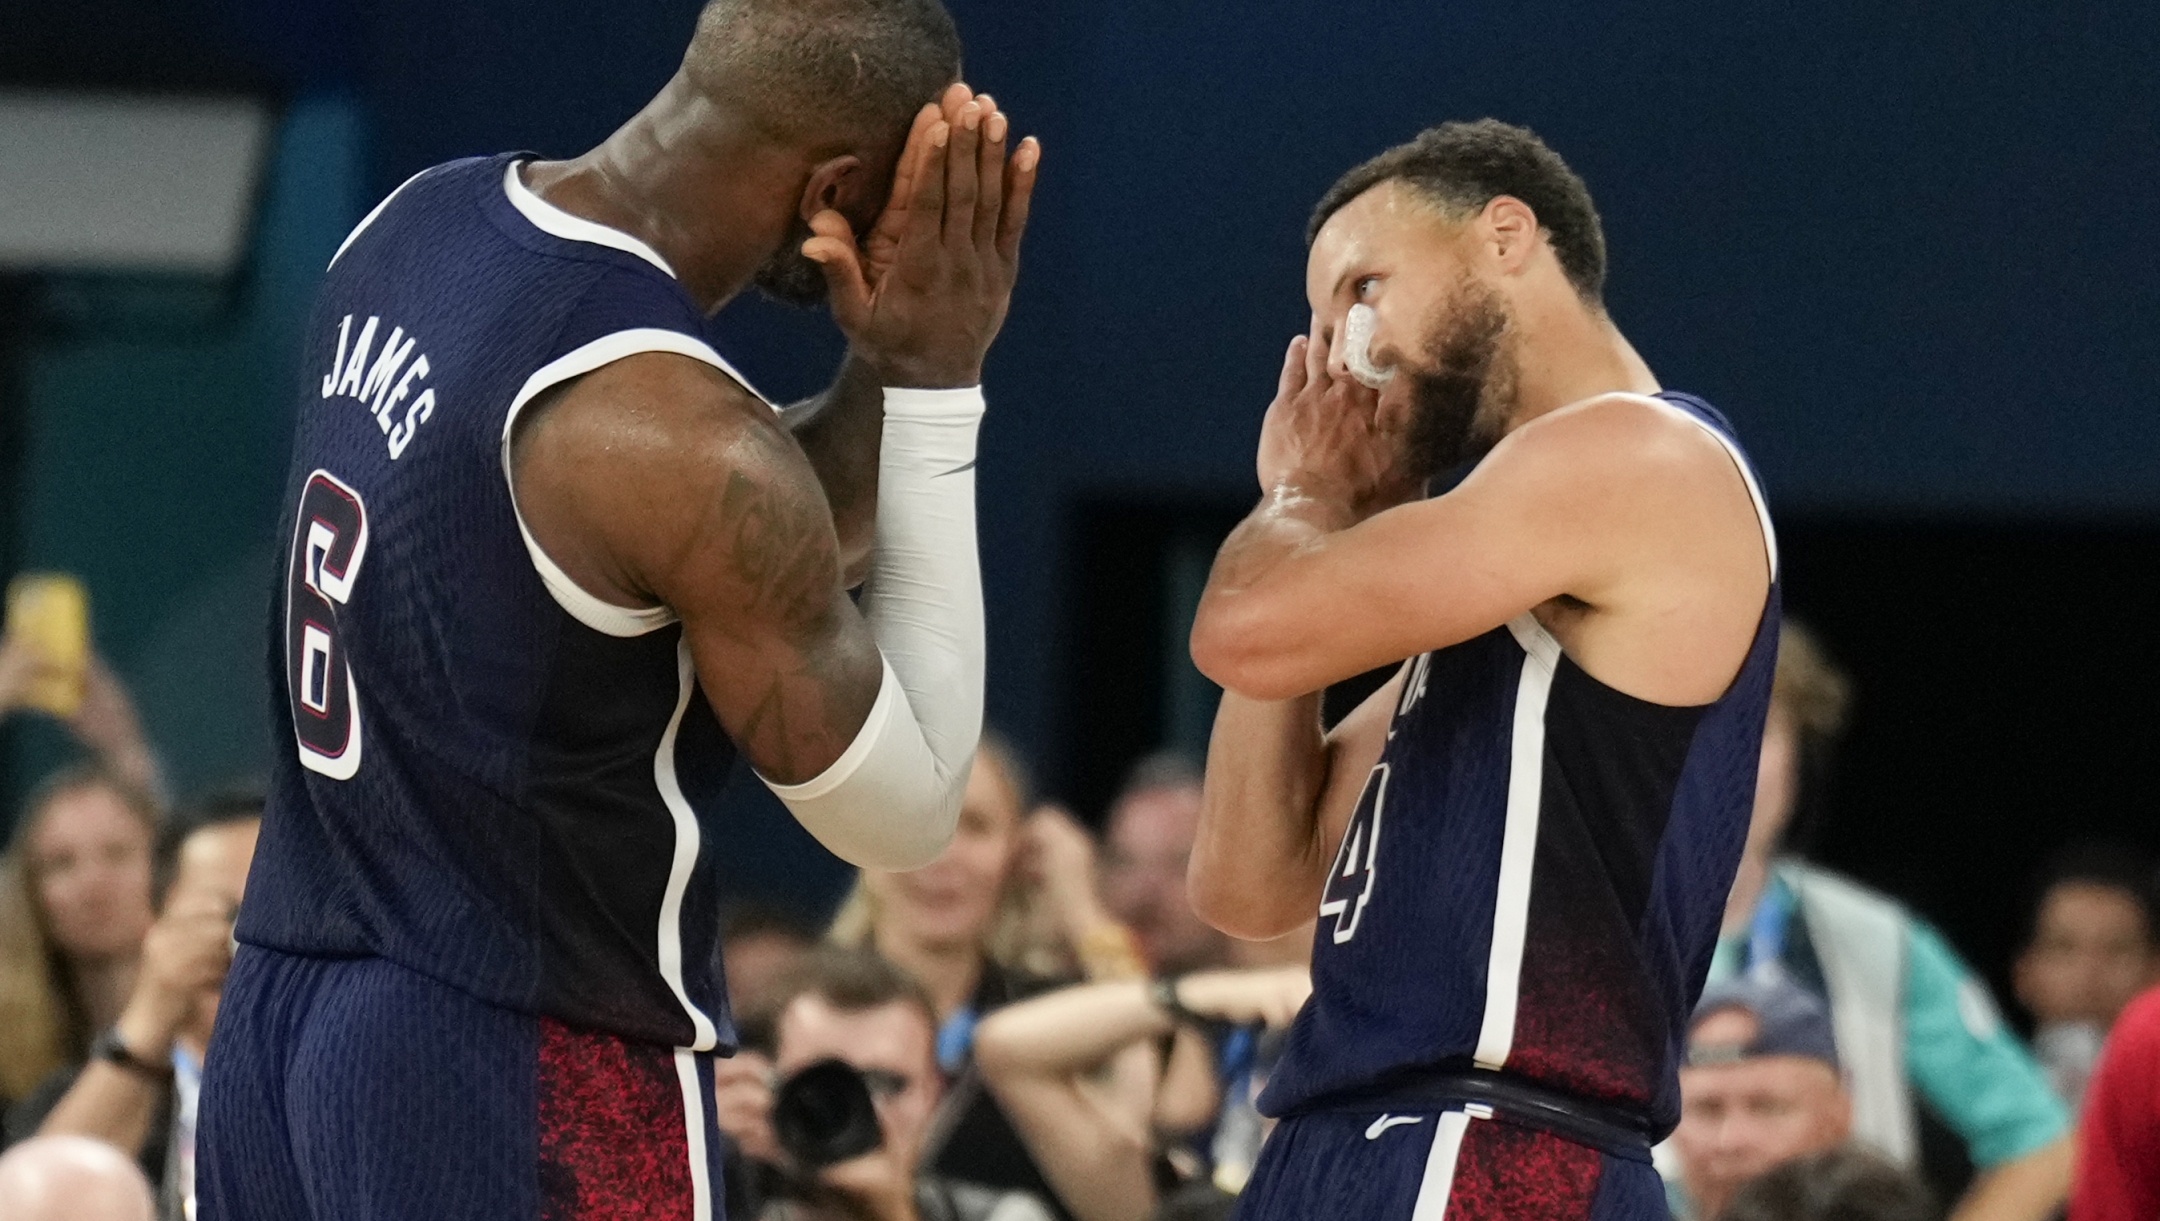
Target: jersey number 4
{"type": "Point", "coordinates": [329, 542]}
{"type": "Point", "coordinates": [1350, 882]}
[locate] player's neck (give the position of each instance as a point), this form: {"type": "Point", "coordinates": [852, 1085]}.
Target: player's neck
{"type": "Point", "coordinates": [680, 178]}
{"type": "Point", "coordinates": [1565, 352]}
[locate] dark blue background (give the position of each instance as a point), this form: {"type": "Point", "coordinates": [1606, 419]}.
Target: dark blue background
{"type": "Point", "coordinates": [1912, 250]}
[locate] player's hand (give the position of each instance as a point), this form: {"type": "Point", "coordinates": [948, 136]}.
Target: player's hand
{"type": "Point", "coordinates": [928, 289]}
{"type": "Point", "coordinates": [1325, 436]}
{"type": "Point", "coordinates": [1270, 997]}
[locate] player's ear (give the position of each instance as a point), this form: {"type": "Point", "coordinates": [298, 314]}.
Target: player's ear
{"type": "Point", "coordinates": [1510, 230]}
{"type": "Point", "coordinates": [834, 185]}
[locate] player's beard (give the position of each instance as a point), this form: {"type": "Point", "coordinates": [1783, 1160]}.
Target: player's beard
{"type": "Point", "coordinates": [1461, 400]}
{"type": "Point", "coordinates": [790, 275]}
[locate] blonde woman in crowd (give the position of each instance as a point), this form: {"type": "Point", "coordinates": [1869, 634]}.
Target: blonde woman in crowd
{"type": "Point", "coordinates": [75, 879]}
{"type": "Point", "coordinates": [74, 906]}
{"type": "Point", "coordinates": [1008, 911]}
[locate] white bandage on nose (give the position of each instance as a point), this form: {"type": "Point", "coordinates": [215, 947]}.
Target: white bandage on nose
{"type": "Point", "coordinates": [1358, 331]}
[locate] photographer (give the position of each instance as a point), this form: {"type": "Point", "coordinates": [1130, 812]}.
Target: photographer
{"type": "Point", "coordinates": [138, 1091]}
{"type": "Point", "coordinates": [855, 1061]}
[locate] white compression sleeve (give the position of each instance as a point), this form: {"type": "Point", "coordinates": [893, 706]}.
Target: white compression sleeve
{"type": "Point", "coordinates": [893, 797]}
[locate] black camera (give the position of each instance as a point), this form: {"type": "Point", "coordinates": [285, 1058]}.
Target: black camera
{"type": "Point", "coordinates": [824, 1114]}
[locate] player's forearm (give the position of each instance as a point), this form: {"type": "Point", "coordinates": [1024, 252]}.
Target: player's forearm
{"type": "Point", "coordinates": [2031, 1188]}
{"type": "Point", "coordinates": [1249, 623]}
{"type": "Point", "coordinates": [892, 798]}
{"type": "Point", "coordinates": [1257, 860]}
{"type": "Point", "coordinates": [840, 431]}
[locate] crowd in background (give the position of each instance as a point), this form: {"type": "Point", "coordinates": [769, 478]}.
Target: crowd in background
{"type": "Point", "coordinates": [1038, 1026]}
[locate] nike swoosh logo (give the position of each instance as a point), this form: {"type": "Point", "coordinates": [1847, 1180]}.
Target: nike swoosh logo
{"type": "Point", "coordinates": [1385, 1122]}
{"type": "Point", "coordinates": [958, 469]}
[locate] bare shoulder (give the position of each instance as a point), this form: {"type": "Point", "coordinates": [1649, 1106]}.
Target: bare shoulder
{"type": "Point", "coordinates": [1624, 437]}
{"type": "Point", "coordinates": [652, 408]}
{"type": "Point", "coordinates": [621, 474]}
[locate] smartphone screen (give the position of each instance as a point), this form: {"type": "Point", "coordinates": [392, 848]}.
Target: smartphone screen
{"type": "Point", "coordinates": [49, 612]}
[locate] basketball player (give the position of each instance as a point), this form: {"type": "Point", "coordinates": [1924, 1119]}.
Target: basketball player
{"type": "Point", "coordinates": [1519, 849]}
{"type": "Point", "coordinates": [552, 565]}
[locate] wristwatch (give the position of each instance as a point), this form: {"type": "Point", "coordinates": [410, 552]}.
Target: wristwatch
{"type": "Point", "coordinates": [1163, 992]}
{"type": "Point", "coordinates": [112, 1049]}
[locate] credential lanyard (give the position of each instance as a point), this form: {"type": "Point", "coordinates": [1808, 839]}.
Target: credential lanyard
{"type": "Point", "coordinates": [1766, 933]}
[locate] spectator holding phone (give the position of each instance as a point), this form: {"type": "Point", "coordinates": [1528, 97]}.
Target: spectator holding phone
{"type": "Point", "coordinates": [49, 664]}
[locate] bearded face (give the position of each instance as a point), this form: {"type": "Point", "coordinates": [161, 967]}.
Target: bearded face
{"type": "Point", "coordinates": [1463, 391]}
{"type": "Point", "coordinates": [789, 275]}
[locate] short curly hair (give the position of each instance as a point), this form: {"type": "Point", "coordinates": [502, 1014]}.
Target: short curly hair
{"type": "Point", "coordinates": [1461, 167]}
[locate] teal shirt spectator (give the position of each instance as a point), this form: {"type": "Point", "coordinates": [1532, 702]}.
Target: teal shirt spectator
{"type": "Point", "coordinates": [1953, 1047]}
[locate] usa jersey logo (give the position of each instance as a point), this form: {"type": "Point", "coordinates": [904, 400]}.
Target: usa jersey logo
{"type": "Point", "coordinates": [1350, 882]}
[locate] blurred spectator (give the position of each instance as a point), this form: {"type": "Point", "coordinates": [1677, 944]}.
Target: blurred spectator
{"type": "Point", "coordinates": [1048, 1059]}
{"type": "Point", "coordinates": [1846, 1184]}
{"type": "Point", "coordinates": [74, 906]}
{"type": "Point", "coordinates": [106, 722]}
{"type": "Point", "coordinates": [1150, 834]}
{"type": "Point", "coordinates": [2090, 946]}
{"type": "Point", "coordinates": [968, 928]}
{"type": "Point", "coordinates": [2118, 1162]}
{"type": "Point", "coordinates": [857, 1008]}
{"type": "Point", "coordinates": [759, 945]}
{"type": "Point", "coordinates": [1761, 1087]}
{"type": "Point", "coordinates": [71, 1178]}
{"type": "Point", "coordinates": [1914, 1024]}
{"type": "Point", "coordinates": [138, 1092]}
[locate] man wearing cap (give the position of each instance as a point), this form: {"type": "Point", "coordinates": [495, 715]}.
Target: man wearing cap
{"type": "Point", "coordinates": [1760, 1087]}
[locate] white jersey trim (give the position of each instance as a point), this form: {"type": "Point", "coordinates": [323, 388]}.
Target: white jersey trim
{"type": "Point", "coordinates": [687, 839]}
{"type": "Point", "coordinates": [1740, 463]}
{"type": "Point", "coordinates": [369, 219]}
{"type": "Point", "coordinates": [549, 219]}
{"type": "Point", "coordinates": [693, 1104]}
{"type": "Point", "coordinates": [599, 615]}
{"type": "Point", "coordinates": [1518, 842]}
{"type": "Point", "coordinates": [1438, 1182]}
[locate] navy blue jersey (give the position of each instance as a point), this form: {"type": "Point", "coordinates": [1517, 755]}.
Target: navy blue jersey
{"type": "Point", "coordinates": [1535, 873]}
{"type": "Point", "coordinates": [487, 776]}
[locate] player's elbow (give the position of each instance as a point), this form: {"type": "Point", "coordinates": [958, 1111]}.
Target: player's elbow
{"type": "Point", "coordinates": [889, 831]}
{"type": "Point", "coordinates": [1242, 648]}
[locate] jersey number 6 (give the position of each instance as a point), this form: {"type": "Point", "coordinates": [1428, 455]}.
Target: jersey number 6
{"type": "Point", "coordinates": [329, 542]}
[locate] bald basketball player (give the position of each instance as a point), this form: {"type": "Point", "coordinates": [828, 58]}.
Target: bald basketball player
{"type": "Point", "coordinates": [1519, 848]}
{"type": "Point", "coordinates": [553, 565]}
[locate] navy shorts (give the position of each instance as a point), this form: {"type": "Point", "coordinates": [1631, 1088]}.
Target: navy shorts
{"type": "Point", "coordinates": [1430, 1166]}
{"type": "Point", "coordinates": [356, 1090]}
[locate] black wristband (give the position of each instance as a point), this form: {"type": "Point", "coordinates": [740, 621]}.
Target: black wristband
{"type": "Point", "coordinates": [1163, 991]}
{"type": "Point", "coordinates": [112, 1049]}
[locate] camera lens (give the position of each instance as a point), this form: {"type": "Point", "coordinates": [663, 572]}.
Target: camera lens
{"type": "Point", "coordinates": [823, 1114]}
